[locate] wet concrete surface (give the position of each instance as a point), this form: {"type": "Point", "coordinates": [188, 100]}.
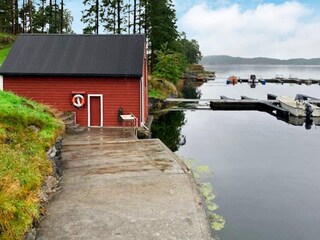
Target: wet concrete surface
{"type": "Point", "coordinates": [117, 187]}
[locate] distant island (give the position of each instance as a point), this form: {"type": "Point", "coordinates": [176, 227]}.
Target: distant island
{"type": "Point", "coordinates": [228, 60]}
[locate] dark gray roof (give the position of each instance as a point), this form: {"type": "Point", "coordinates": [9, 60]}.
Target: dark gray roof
{"type": "Point", "coordinates": [76, 55]}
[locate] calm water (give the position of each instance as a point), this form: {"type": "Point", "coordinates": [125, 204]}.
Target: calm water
{"type": "Point", "coordinates": [266, 172]}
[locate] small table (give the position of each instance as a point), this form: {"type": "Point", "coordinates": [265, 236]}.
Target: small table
{"type": "Point", "coordinates": [128, 123]}
{"type": "Point", "coordinates": [127, 119]}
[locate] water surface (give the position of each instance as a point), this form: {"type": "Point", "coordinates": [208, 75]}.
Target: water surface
{"type": "Point", "coordinates": [266, 171]}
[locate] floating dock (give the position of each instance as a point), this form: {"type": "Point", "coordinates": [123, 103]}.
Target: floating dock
{"type": "Point", "coordinates": [249, 104]}
{"type": "Point", "coordinates": [282, 81]}
{"type": "Point", "coordinates": [270, 105]}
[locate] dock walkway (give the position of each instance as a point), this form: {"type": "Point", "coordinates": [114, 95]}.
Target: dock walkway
{"type": "Point", "coordinates": [117, 187]}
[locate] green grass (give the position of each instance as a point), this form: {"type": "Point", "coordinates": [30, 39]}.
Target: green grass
{"type": "Point", "coordinates": [3, 54]}
{"type": "Point", "coordinates": [160, 88]}
{"type": "Point", "coordinates": [153, 93]}
{"type": "Point", "coordinates": [6, 42]}
{"type": "Point", "coordinates": [23, 162]}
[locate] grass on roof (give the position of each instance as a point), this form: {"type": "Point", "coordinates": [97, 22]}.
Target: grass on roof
{"type": "Point", "coordinates": [27, 130]}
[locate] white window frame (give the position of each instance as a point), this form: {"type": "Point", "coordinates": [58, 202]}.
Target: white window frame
{"type": "Point", "coordinates": [101, 109]}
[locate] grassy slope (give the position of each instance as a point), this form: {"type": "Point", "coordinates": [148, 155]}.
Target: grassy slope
{"type": "Point", "coordinates": [6, 42]}
{"type": "Point", "coordinates": [23, 162]}
{"type": "Point", "coordinates": [161, 88]}
{"type": "Point", "coordinates": [3, 54]}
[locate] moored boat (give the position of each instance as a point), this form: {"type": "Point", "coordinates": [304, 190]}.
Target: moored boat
{"type": "Point", "coordinates": [298, 107]}
{"type": "Point", "coordinates": [232, 80]}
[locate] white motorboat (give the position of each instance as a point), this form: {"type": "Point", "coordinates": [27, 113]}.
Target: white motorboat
{"type": "Point", "coordinates": [299, 107]}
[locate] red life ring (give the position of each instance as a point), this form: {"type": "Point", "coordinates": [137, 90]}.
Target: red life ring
{"type": "Point", "coordinates": [78, 100]}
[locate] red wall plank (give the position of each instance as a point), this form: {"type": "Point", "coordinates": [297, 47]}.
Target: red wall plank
{"type": "Point", "coordinates": [57, 92]}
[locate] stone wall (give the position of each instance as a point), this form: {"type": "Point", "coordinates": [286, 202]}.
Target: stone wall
{"type": "Point", "coordinates": [50, 186]}
{"type": "Point", "coordinates": [54, 155]}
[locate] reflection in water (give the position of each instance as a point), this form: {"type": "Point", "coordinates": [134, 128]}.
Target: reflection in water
{"type": "Point", "coordinates": [167, 127]}
{"type": "Point", "coordinates": [190, 90]}
{"type": "Point", "coordinates": [299, 121]}
{"type": "Point", "coordinates": [308, 122]}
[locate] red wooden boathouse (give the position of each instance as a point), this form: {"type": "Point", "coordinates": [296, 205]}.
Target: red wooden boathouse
{"type": "Point", "coordinates": [96, 76]}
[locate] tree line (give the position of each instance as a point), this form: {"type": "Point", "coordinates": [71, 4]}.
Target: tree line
{"type": "Point", "coordinates": [34, 16]}
{"type": "Point", "coordinates": [154, 18]}
{"type": "Point", "coordinates": [168, 50]}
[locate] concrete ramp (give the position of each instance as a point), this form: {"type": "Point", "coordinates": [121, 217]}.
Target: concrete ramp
{"type": "Point", "coordinates": [116, 187]}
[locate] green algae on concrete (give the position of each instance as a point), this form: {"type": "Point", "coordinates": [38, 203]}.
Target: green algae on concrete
{"type": "Point", "coordinates": [217, 222]}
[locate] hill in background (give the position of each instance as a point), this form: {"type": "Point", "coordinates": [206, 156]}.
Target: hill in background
{"type": "Point", "coordinates": [228, 60]}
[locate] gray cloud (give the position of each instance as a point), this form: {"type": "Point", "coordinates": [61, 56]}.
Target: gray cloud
{"type": "Point", "coordinates": [284, 30]}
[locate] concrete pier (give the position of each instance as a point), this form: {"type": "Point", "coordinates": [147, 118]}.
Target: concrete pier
{"type": "Point", "coordinates": [118, 187]}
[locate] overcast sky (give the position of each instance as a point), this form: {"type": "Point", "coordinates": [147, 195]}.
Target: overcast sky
{"type": "Point", "coordinates": [246, 28]}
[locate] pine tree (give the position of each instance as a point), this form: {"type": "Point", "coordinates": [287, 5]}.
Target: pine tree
{"type": "Point", "coordinates": [40, 18]}
{"type": "Point", "coordinates": [108, 16]}
{"type": "Point", "coordinates": [160, 26]}
{"type": "Point", "coordinates": [16, 17]}
{"type": "Point", "coordinates": [6, 16]}
{"type": "Point", "coordinates": [61, 17]}
{"type": "Point", "coordinates": [91, 16]}
{"type": "Point", "coordinates": [51, 13]}
{"type": "Point", "coordinates": [134, 16]}
{"type": "Point", "coordinates": [114, 17]}
{"type": "Point", "coordinates": [30, 6]}
{"type": "Point", "coordinates": [26, 14]}
{"type": "Point", "coordinates": [23, 16]}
